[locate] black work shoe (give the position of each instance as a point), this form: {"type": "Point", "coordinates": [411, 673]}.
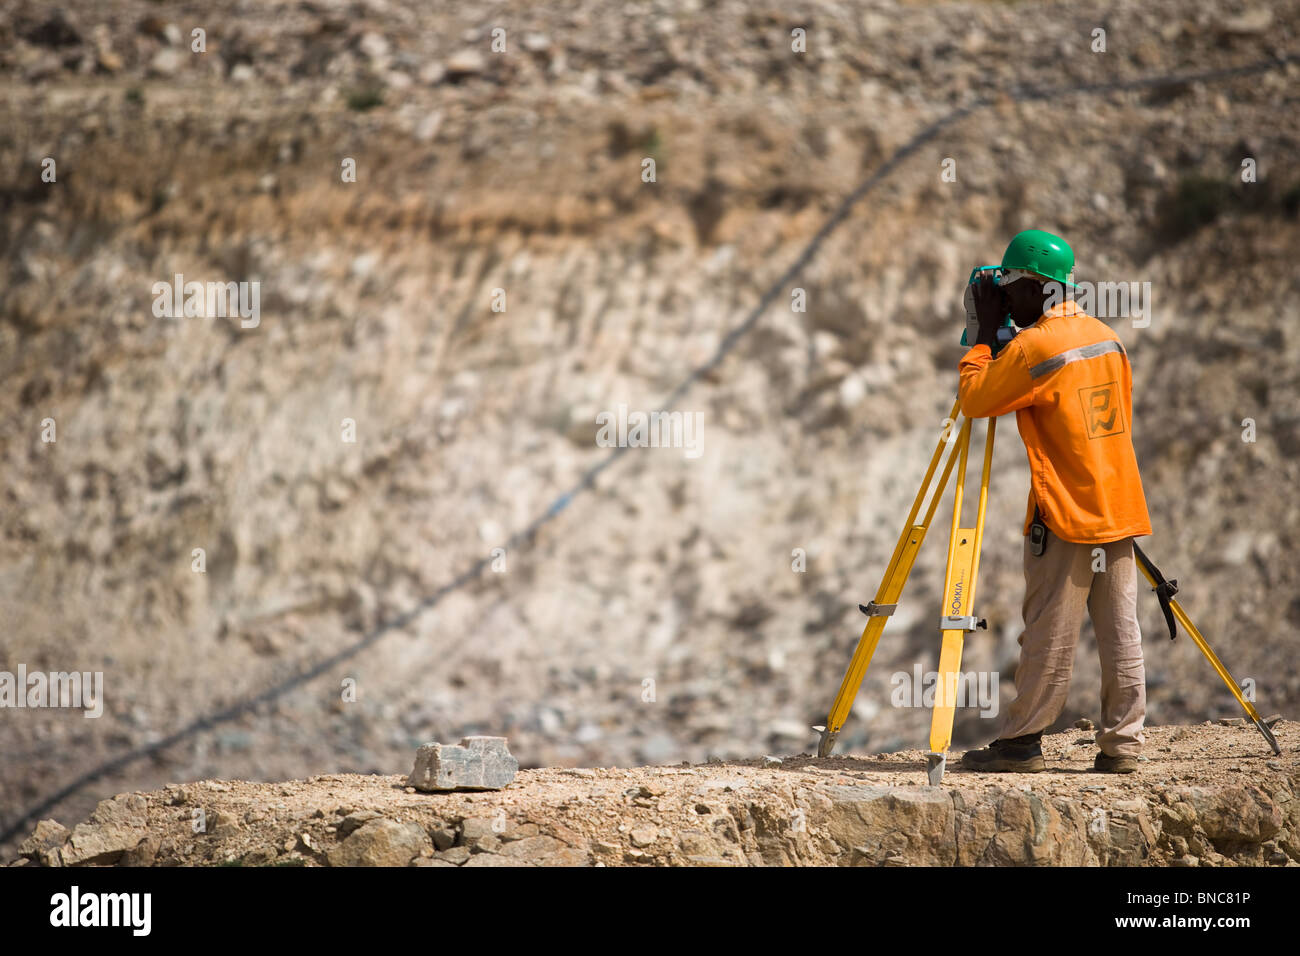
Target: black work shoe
{"type": "Point", "coordinates": [1017, 755]}
{"type": "Point", "coordinates": [1105, 763]}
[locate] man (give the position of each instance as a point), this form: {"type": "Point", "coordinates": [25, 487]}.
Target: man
{"type": "Point", "coordinates": [1067, 378]}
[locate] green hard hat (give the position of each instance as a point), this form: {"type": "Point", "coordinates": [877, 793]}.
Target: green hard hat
{"type": "Point", "coordinates": [1041, 253]}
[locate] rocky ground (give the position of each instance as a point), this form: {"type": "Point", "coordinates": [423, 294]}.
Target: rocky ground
{"type": "Point", "coordinates": [1205, 795]}
{"type": "Point", "coordinates": [521, 171]}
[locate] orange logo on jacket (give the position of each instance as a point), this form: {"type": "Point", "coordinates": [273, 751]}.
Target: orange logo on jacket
{"type": "Point", "coordinates": [1101, 410]}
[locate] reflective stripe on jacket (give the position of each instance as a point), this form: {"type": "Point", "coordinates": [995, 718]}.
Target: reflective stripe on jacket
{"type": "Point", "coordinates": [1067, 378]}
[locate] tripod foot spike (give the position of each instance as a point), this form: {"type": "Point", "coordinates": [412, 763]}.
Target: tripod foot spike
{"type": "Point", "coordinates": [1268, 735]}
{"type": "Point", "coordinates": [827, 743]}
{"type": "Point", "coordinates": [934, 767]}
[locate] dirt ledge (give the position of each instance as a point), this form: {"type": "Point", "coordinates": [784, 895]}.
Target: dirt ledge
{"type": "Point", "coordinates": [1205, 795]}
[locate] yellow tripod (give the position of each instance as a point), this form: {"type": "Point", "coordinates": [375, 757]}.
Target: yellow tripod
{"type": "Point", "coordinates": [959, 598]}
{"type": "Point", "coordinates": [958, 590]}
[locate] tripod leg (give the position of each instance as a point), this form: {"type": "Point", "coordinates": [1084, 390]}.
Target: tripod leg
{"type": "Point", "coordinates": [890, 591]}
{"type": "Point", "coordinates": [1213, 658]}
{"type": "Point", "coordinates": [958, 599]}
{"type": "Point", "coordinates": [1196, 636]}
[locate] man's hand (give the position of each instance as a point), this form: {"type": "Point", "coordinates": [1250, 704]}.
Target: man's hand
{"type": "Point", "coordinates": [990, 310]}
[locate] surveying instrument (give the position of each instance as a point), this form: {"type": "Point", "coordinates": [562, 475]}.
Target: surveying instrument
{"type": "Point", "coordinates": [957, 617]}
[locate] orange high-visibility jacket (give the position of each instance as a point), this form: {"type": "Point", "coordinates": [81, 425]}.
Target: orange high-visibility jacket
{"type": "Point", "coordinates": [1068, 380]}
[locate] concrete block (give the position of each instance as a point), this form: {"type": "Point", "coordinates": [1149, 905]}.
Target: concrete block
{"type": "Point", "coordinates": [476, 763]}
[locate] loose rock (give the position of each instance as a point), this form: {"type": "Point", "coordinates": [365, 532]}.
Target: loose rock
{"type": "Point", "coordinates": [381, 842]}
{"type": "Point", "coordinates": [477, 763]}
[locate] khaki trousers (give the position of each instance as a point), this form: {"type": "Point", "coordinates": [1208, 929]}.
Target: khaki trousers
{"type": "Point", "coordinates": [1059, 585]}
